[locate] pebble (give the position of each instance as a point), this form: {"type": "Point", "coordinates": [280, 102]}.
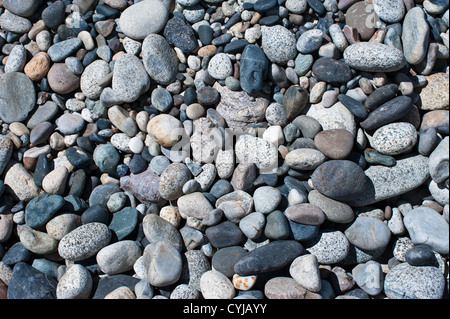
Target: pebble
{"type": "Point", "coordinates": [84, 241]}
{"type": "Point", "coordinates": [247, 139]}
{"type": "Point", "coordinates": [17, 97]}
{"type": "Point", "coordinates": [159, 59]}
{"type": "Point", "coordinates": [141, 19]}
{"type": "Point", "coordinates": [411, 282]}
{"type": "Point", "coordinates": [368, 233]}
{"type": "Point", "coordinates": [76, 283]}
{"type": "Point", "coordinates": [305, 271]}
{"type": "Point", "coordinates": [426, 226]}
{"type": "Point", "coordinates": [264, 258]}
{"type": "Point", "coordinates": [415, 34]}
{"type": "Point", "coordinates": [329, 246]}
{"type": "Point", "coordinates": [366, 57]}
{"type": "Point", "coordinates": [215, 285]}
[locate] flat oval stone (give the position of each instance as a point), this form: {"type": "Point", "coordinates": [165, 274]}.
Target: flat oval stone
{"type": "Point", "coordinates": [17, 97]}
{"type": "Point", "coordinates": [421, 255]}
{"type": "Point", "coordinates": [334, 211]}
{"type": "Point", "coordinates": [335, 117]}
{"type": "Point", "coordinates": [415, 35]}
{"type": "Point", "coordinates": [118, 257]}
{"type": "Point", "coordinates": [41, 209]}
{"type": "Point", "coordinates": [143, 18]}
{"type": "Point", "coordinates": [84, 241]}
{"type": "Point", "coordinates": [164, 264]}
{"type": "Point", "coordinates": [426, 226]}
{"type": "Point", "coordinates": [411, 282]}
{"type": "Point", "coordinates": [381, 95]}
{"type": "Point", "coordinates": [306, 213]}
{"type": "Point", "coordinates": [374, 57]}
{"type": "Point", "coordinates": [278, 44]}
{"type": "Point", "coordinates": [225, 234]}
{"type": "Point", "coordinates": [284, 288]}
{"type": "Point", "coordinates": [395, 138]}
{"type": "Point", "coordinates": [389, 112]}
{"type": "Point", "coordinates": [331, 71]}
{"type": "Point", "coordinates": [62, 80]}
{"type": "Point", "coordinates": [340, 180]}
{"type": "Point", "coordinates": [335, 143]}
{"type": "Point", "coordinates": [158, 229]}
{"type": "Point", "coordinates": [271, 256]}
{"type": "Point", "coordinates": [304, 159]}
{"type": "Point", "coordinates": [368, 233]}
{"type": "Point", "coordinates": [61, 50]}
{"type": "Point", "coordinates": [159, 58]}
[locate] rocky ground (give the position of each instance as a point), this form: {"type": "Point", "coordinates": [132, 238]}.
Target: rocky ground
{"type": "Point", "coordinates": [209, 149]}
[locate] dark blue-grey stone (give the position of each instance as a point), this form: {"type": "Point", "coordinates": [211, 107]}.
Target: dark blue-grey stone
{"type": "Point", "coordinates": [253, 69]}
{"type": "Point", "coordinates": [101, 193]}
{"type": "Point", "coordinates": [225, 234]}
{"type": "Point", "coordinates": [205, 34]}
{"type": "Point", "coordinates": [266, 179]}
{"type": "Point", "coordinates": [41, 209]}
{"type": "Point", "coordinates": [220, 188]}
{"type": "Point", "coordinates": [42, 169]}
{"type": "Point", "coordinates": [190, 96]}
{"type": "Point", "coordinates": [79, 157]}
{"type": "Point", "coordinates": [277, 226]}
{"type": "Point", "coordinates": [331, 71]}
{"type": "Point", "coordinates": [54, 14]}
{"type": "Point", "coordinates": [270, 20]}
{"type": "Point", "coordinates": [124, 222]}
{"type": "Point", "coordinates": [271, 256]}
{"type": "Point", "coordinates": [111, 283]}
{"type": "Point", "coordinates": [389, 112]}
{"type": "Point", "coordinates": [317, 6]}
{"type": "Point", "coordinates": [137, 164]}
{"type": "Point", "coordinates": [225, 258]}
{"type": "Point", "coordinates": [95, 213]}
{"type": "Point", "coordinates": [180, 34]}
{"type": "Point", "coordinates": [77, 181]}
{"type": "Point", "coordinates": [15, 254]}
{"type": "Point", "coordinates": [106, 157]}
{"type": "Point", "coordinates": [264, 5]}
{"type": "Point", "coordinates": [421, 255]}
{"type": "Point", "coordinates": [428, 140]}
{"type": "Point", "coordinates": [340, 180]}
{"type": "Point", "coordinates": [222, 39]}
{"type": "Point", "coordinates": [354, 106]}
{"type": "Point", "coordinates": [235, 46]}
{"type": "Point", "coordinates": [303, 232]}
{"type": "Point", "coordinates": [74, 204]}
{"type": "Point", "coordinates": [161, 99]}
{"type": "Point", "coordinates": [29, 283]}
{"type": "Point", "coordinates": [381, 96]}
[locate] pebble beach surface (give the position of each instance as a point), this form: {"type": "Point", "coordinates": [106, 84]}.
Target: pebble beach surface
{"type": "Point", "coordinates": [209, 149]}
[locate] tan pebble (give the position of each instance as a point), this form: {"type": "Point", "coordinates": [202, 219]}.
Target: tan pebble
{"type": "Point", "coordinates": [37, 68]}
{"type": "Point", "coordinates": [121, 293]}
{"type": "Point", "coordinates": [171, 214]}
{"type": "Point", "coordinates": [207, 50]}
{"type": "Point", "coordinates": [55, 181]}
